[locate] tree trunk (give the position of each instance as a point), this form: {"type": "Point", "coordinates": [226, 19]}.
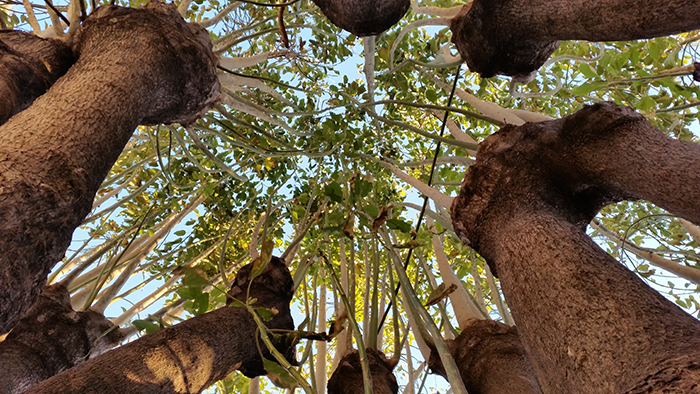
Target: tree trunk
{"type": "Point", "coordinates": [135, 66]}
{"type": "Point", "coordinates": [30, 65]}
{"type": "Point", "coordinates": [364, 17]}
{"type": "Point", "coordinates": [588, 324]}
{"type": "Point", "coordinates": [52, 338]}
{"type": "Point", "coordinates": [515, 37]}
{"type": "Point", "coordinates": [491, 360]}
{"type": "Point", "coordinates": [347, 377]}
{"type": "Point", "coordinates": [192, 355]}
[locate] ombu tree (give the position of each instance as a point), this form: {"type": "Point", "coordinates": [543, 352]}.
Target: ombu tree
{"type": "Point", "coordinates": [524, 206]}
{"type": "Point", "coordinates": [51, 175]}
{"type": "Point", "coordinates": [286, 116]}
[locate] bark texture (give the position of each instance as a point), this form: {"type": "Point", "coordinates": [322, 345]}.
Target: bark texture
{"type": "Point", "coordinates": [491, 360]}
{"type": "Point", "coordinates": [588, 324]}
{"type": "Point", "coordinates": [135, 66]}
{"type": "Point", "coordinates": [347, 378]}
{"type": "Point", "coordinates": [30, 65]}
{"type": "Point", "coordinates": [192, 355]}
{"type": "Point", "coordinates": [364, 17]}
{"type": "Point", "coordinates": [52, 338]}
{"type": "Point", "coordinates": [515, 37]}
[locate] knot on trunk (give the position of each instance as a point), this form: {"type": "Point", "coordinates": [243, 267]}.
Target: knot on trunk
{"type": "Point", "coordinates": [273, 289]}
{"type": "Point", "coordinates": [490, 44]}
{"type": "Point", "coordinates": [347, 378]}
{"type": "Point", "coordinates": [166, 54]}
{"type": "Point", "coordinates": [364, 17]}
{"type": "Point", "coordinates": [559, 167]}
{"type": "Point", "coordinates": [491, 359]}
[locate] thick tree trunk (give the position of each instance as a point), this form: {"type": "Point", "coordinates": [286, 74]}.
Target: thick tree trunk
{"type": "Point", "coordinates": [192, 355]}
{"type": "Point", "coordinates": [135, 66]}
{"type": "Point", "coordinates": [491, 360]}
{"type": "Point", "coordinates": [52, 338]}
{"type": "Point", "coordinates": [347, 377]}
{"type": "Point", "coordinates": [515, 37]}
{"type": "Point", "coordinates": [588, 324]}
{"type": "Point", "coordinates": [364, 17]}
{"type": "Point", "coordinates": [30, 65]}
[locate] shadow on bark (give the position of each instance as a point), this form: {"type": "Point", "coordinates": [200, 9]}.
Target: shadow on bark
{"type": "Point", "coordinates": [52, 338]}
{"type": "Point", "coordinates": [587, 323]}
{"type": "Point", "coordinates": [347, 378]}
{"type": "Point", "coordinates": [30, 65]}
{"type": "Point", "coordinates": [194, 354]}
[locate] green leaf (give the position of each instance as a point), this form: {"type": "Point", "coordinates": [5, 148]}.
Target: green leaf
{"type": "Point", "coordinates": [655, 49]}
{"type": "Point", "coordinates": [371, 210]}
{"type": "Point", "coordinates": [431, 95]}
{"type": "Point", "coordinates": [278, 375]}
{"type": "Point", "coordinates": [147, 325]}
{"type": "Point", "coordinates": [362, 187]}
{"type": "Point", "coordinates": [334, 192]}
{"type": "Point", "coordinates": [266, 313]}
{"type": "Point", "coordinates": [180, 233]}
{"type": "Point", "coordinates": [582, 90]}
{"type": "Point", "coordinates": [236, 304]}
{"type": "Point", "coordinates": [217, 296]}
{"type": "Point", "coordinates": [586, 88]}
{"type": "Point", "coordinates": [398, 224]}
{"type": "Point", "coordinates": [586, 70]}
{"type": "Point", "coordinates": [440, 293]}
{"type": "Point", "coordinates": [646, 104]}
{"type": "Point", "coordinates": [195, 277]}
{"type": "Point", "coordinates": [186, 293]}
{"type": "Point", "coordinates": [201, 304]}
{"type": "Point", "coordinates": [672, 58]}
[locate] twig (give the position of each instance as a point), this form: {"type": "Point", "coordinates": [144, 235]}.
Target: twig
{"type": "Point", "coordinates": [50, 5]}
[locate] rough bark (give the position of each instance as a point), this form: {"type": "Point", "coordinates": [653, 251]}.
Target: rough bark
{"type": "Point", "coordinates": [491, 360]}
{"type": "Point", "coordinates": [515, 37]}
{"type": "Point", "coordinates": [364, 17]}
{"type": "Point", "coordinates": [588, 324]}
{"type": "Point", "coordinates": [52, 338]}
{"type": "Point", "coordinates": [135, 66]}
{"type": "Point", "coordinates": [192, 355]}
{"type": "Point", "coordinates": [30, 65]}
{"type": "Point", "coordinates": [347, 377]}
